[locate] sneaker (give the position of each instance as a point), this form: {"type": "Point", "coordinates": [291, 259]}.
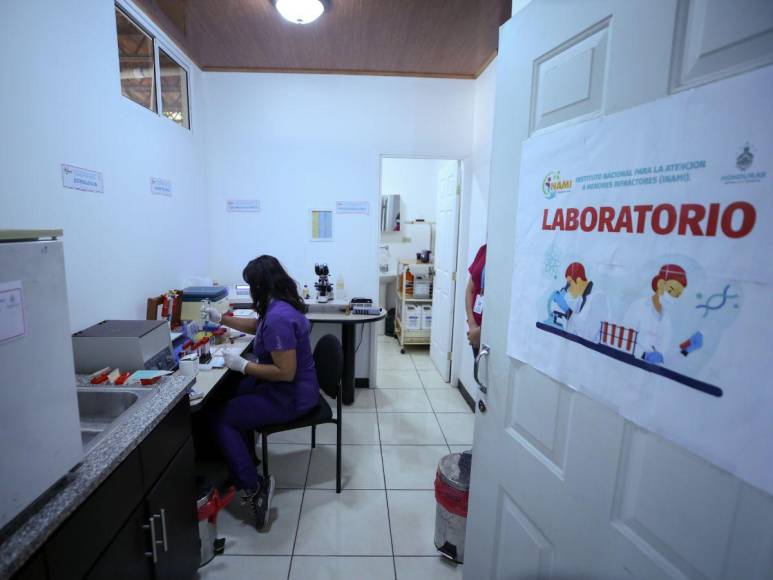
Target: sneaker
{"type": "Point", "coordinates": [260, 502]}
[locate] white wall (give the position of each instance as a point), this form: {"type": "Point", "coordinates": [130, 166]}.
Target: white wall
{"type": "Point", "coordinates": [61, 103]}
{"type": "Point", "coordinates": [416, 182]}
{"type": "Point", "coordinates": [474, 213]}
{"type": "Point", "coordinates": [299, 141]}
{"type": "Point", "coordinates": [302, 141]}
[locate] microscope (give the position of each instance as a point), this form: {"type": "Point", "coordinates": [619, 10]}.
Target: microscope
{"type": "Point", "coordinates": [323, 286]}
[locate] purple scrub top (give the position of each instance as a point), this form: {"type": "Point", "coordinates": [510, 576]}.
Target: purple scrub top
{"type": "Point", "coordinates": [284, 328]}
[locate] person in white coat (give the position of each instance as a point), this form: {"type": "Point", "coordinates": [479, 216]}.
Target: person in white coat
{"type": "Point", "coordinates": [650, 317]}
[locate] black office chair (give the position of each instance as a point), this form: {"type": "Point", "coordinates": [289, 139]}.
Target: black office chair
{"type": "Point", "coordinates": [329, 361]}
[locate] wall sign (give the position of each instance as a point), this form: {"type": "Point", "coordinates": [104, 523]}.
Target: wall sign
{"type": "Point", "coordinates": [160, 186]}
{"type": "Point", "coordinates": [643, 274]}
{"type": "Point", "coordinates": [12, 322]}
{"type": "Point", "coordinates": [83, 179]}
{"type": "Point", "coordinates": [353, 207]}
{"type": "Point", "coordinates": [243, 205]}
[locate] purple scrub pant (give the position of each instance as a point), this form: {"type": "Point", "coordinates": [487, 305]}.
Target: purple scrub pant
{"type": "Point", "coordinates": [253, 407]}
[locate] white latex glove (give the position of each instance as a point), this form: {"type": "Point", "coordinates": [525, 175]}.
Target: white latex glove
{"type": "Point", "coordinates": [234, 361]}
{"type": "Point", "coordinates": [213, 315]}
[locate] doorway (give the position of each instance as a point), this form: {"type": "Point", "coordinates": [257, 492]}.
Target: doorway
{"type": "Point", "coordinates": [418, 249]}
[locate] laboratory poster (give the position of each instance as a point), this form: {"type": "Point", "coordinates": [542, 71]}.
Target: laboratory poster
{"type": "Point", "coordinates": [643, 271]}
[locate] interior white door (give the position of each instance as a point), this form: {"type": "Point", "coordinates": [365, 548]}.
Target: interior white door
{"type": "Point", "coordinates": [563, 486]}
{"type": "Point", "coordinates": [446, 242]}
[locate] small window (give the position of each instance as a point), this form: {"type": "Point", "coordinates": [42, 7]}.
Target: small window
{"type": "Point", "coordinates": [174, 89]}
{"type": "Point", "coordinates": [136, 62]}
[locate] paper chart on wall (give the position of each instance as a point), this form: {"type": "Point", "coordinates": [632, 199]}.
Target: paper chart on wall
{"type": "Point", "coordinates": [321, 225]}
{"type": "Point", "coordinates": [643, 275]}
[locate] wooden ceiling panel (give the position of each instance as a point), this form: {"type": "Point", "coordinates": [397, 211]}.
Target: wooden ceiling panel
{"type": "Point", "coordinates": [444, 38]}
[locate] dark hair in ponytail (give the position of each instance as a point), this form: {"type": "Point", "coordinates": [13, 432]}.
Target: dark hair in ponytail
{"type": "Point", "coordinates": [268, 279]}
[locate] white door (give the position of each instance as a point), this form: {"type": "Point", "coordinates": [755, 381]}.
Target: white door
{"type": "Point", "coordinates": [562, 486]}
{"type": "Point", "coordinates": [446, 242]}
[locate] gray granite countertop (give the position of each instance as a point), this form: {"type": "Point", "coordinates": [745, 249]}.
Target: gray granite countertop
{"type": "Point", "coordinates": [98, 463]}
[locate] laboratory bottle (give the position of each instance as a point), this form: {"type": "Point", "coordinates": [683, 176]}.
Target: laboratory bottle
{"type": "Point", "coordinates": [408, 282]}
{"type": "Point", "coordinates": [340, 289]}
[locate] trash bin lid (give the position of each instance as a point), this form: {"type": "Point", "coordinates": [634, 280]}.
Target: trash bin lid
{"type": "Point", "coordinates": [454, 470]}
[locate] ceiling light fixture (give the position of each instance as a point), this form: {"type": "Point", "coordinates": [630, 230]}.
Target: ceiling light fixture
{"type": "Point", "coordinates": [300, 11]}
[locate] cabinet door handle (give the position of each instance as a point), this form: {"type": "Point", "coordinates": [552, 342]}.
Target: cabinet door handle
{"type": "Point", "coordinates": [152, 526]}
{"type": "Point", "coordinates": [163, 529]}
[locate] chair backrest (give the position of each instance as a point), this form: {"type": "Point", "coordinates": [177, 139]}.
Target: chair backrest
{"type": "Point", "coordinates": [329, 361]}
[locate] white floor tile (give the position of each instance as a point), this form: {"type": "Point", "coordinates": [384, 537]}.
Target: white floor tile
{"type": "Point", "coordinates": [236, 524]}
{"type": "Point", "coordinates": [412, 516]}
{"type": "Point", "coordinates": [342, 568]}
{"type": "Point", "coordinates": [402, 400]}
{"type": "Point", "coordinates": [432, 380]}
{"type": "Point", "coordinates": [400, 362]}
{"type": "Point", "coordinates": [245, 568]}
{"type": "Point", "coordinates": [448, 400]}
{"type": "Point", "coordinates": [287, 463]}
{"type": "Point", "coordinates": [364, 402]}
{"type": "Point", "coordinates": [357, 429]}
{"type": "Point", "coordinates": [457, 427]}
{"type": "Point", "coordinates": [388, 348]}
{"type": "Point", "coordinates": [296, 436]}
{"type": "Point", "coordinates": [412, 466]}
{"type": "Point", "coordinates": [422, 362]}
{"type": "Point", "coordinates": [360, 467]}
{"type": "Point", "coordinates": [350, 523]}
{"type": "Point", "coordinates": [410, 429]}
{"type": "Point", "coordinates": [459, 448]}
{"type": "Point", "coordinates": [432, 568]}
{"type": "Point", "coordinates": [398, 380]}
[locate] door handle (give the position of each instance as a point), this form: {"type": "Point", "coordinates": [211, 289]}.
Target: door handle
{"type": "Point", "coordinates": [153, 542]}
{"type": "Point", "coordinates": [484, 351]}
{"type": "Point", "coordinates": [163, 529]}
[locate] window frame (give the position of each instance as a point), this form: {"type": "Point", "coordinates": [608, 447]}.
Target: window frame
{"type": "Point", "coordinates": [159, 48]}
{"type": "Point", "coordinates": [160, 42]}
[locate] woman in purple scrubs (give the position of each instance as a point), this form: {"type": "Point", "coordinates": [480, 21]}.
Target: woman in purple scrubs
{"type": "Point", "coordinates": [280, 387]}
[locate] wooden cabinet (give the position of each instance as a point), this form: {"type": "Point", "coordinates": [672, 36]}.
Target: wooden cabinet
{"type": "Point", "coordinates": [126, 556]}
{"type": "Point", "coordinates": [172, 506]}
{"type": "Point", "coordinates": [150, 496]}
{"type": "Point", "coordinates": [35, 569]}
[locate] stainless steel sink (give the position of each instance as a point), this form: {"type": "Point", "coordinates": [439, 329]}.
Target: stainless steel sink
{"type": "Point", "coordinates": [102, 409]}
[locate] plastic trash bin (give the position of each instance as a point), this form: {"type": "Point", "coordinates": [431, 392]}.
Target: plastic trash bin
{"type": "Point", "coordinates": [209, 505]}
{"type": "Point", "coordinates": [452, 491]}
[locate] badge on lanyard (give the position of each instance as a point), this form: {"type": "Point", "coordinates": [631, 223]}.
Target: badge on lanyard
{"type": "Point", "coordinates": [478, 306]}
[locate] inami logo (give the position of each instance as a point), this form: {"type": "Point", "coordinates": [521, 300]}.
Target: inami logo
{"type": "Point", "coordinates": [553, 184]}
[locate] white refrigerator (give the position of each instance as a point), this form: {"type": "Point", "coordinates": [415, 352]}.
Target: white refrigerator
{"type": "Point", "coordinates": [39, 424]}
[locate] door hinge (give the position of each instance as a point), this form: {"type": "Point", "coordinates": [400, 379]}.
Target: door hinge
{"type": "Point", "coordinates": [448, 355]}
{"type": "Point", "coordinates": [453, 276]}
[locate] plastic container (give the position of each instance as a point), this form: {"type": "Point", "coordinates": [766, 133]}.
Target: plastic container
{"type": "Point", "coordinates": [452, 492]}
{"type": "Point", "coordinates": [412, 317]}
{"type": "Point", "coordinates": [199, 293]}
{"type": "Point", "coordinates": [408, 282]}
{"type": "Point", "coordinates": [340, 288]}
{"type": "Point", "coordinates": [421, 288]}
{"type": "Point", "coordinates": [426, 317]}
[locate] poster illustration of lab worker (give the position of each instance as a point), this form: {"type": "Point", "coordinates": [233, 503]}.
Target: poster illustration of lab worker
{"type": "Point", "coordinates": [650, 317]}
{"type": "Point", "coordinates": [578, 307]}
